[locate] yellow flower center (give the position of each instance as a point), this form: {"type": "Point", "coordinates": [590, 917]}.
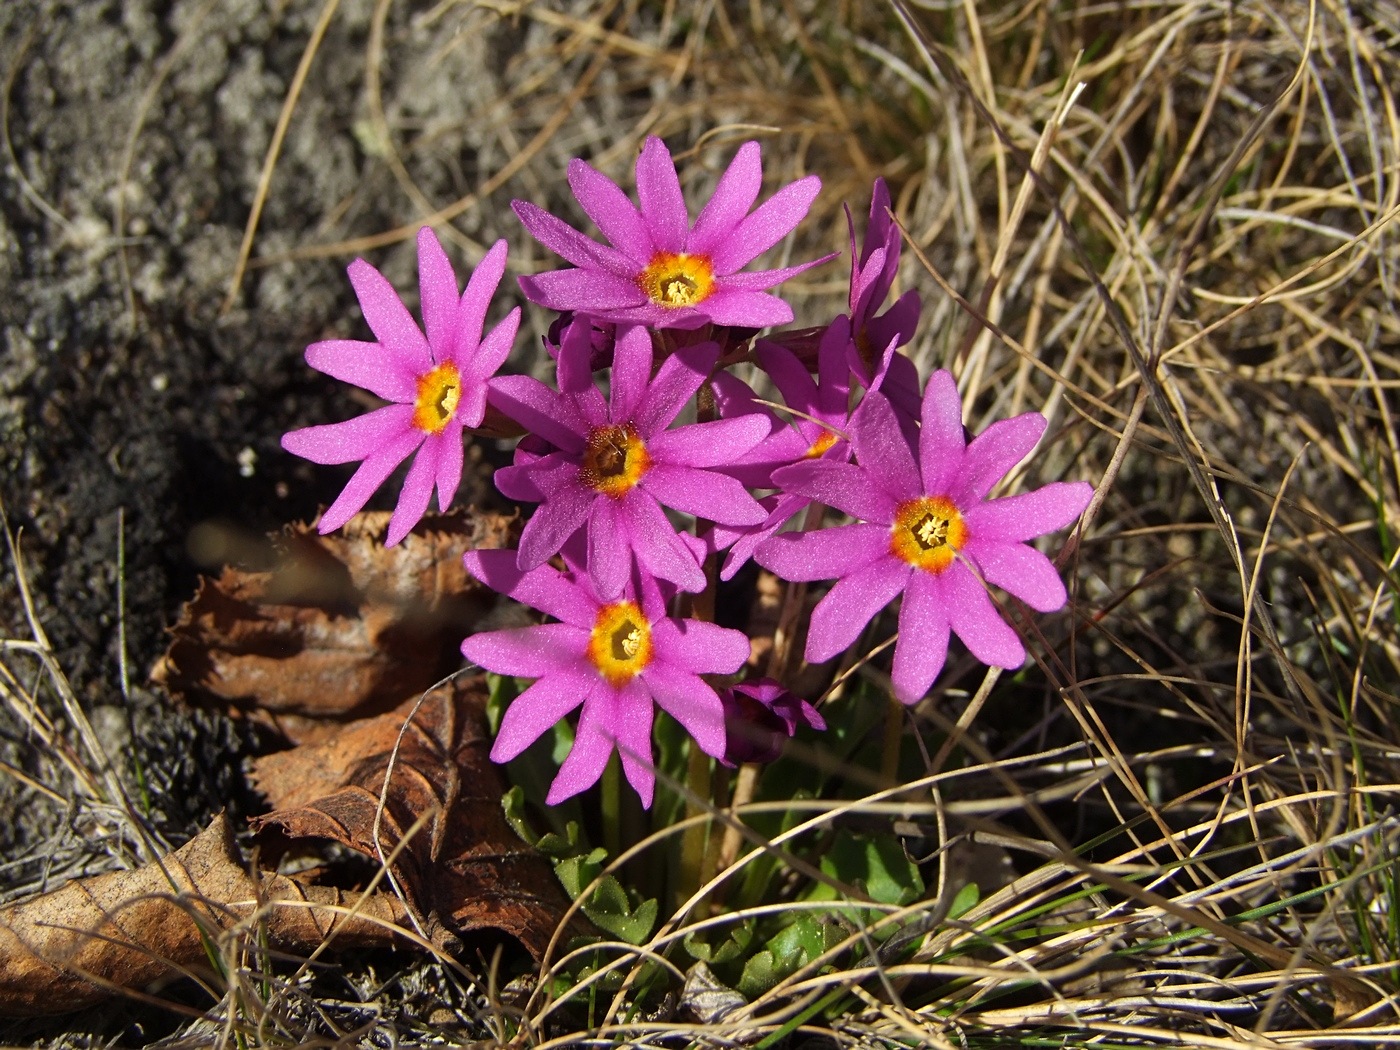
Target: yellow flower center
{"type": "Point", "coordinates": [927, 533]}
{"type": "Point", "coordinates": [614, 460]}
{"type": "Point", "coordinates": [620, 644]}
{"type": "Point", "coordinates": [675, 281]}
{"type": "Point", "coordinates": [824, 441]}
{"type": "Point", "coordinates": [439, 391]}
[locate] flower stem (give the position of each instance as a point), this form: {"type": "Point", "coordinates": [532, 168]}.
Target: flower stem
{"type": "Point", "coordinates": [611, 802]}
{"type": "Point", "coordinates": [894, 737]}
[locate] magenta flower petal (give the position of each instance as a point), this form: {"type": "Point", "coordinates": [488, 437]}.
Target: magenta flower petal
{"type": "Point", "coordinates": [353, 439]}
{"type": "Point", "coordinates": [437, 291]}
{"type": "Point", "coordinates": [686, 698]}
{"type": "Point", "coordinates": [566, 242]}
{"type": "Point", "coordinates": [529, 652]}
{"type": "Point", "coordinates": [743, 309]}
{"type": "Point", "coordinates": [703, 647]}
{"type": "Point", "coordinates": [368, 477]}
{"type": "Point", "coordinates": [841, 485]}
{"type": "Point", "coordinates": [1022, 571]}
{"type": "Point", "coordinates": [1030, 514]}
{"type": "Point", "coordinates": [659, 193]}
{"type": "Point", "coordinates": [704, 494]}
{"type": "Point", "coordinates": [881, 449]}
{"type": "Point", "coordinates": [994, 452]}
{"type": "Point", "coordinates": [976, 621]}
{"type": "Point", "coordinates": [614, 215]}
{"type": "Point", "coordinates": [733, 197]}
{"type": "Point", "coordinates": [923, 638]}
{"type": "Point", "coordinates": [593, 746]}
{"type": "Point", "coordinates": [633, 738]}
{"type": "Point", "coordinates": [757, 280]}
{"type": "Point", "coordinates": [825, 553]}
{"type": "Point", "coordinates": [941, 440]}
{"type": "Point", "coordinates": [471, 311]}
{"type": "Point", "coordinates": [417, 490]}
{"type": "Point", "coordinates": [583, 290]}
{"type": "Point", "coordinates": [564, 511]}
{"type": "Point", "coordinates": [538, 708]}
{"type": "Point", "coordinates": [393, 326]}
{"type": "Point", "coordinates": [631, 373]}
{"type": "Point", "coordinates": [774, 220]}
{"type": "Point", "coordinates": [843, 613]}
{"type": "Point", "coordinates": [363, 365]}
{"type": "Point", "coordinates": [677, 380]}
{"type": "Point", "coordinates": [654, 542]}
{"type": "Point", "coordinates": [609, 546]}
{"type": "Point", "coordinates": [544, 588]}
{"type": "Point", "coordinates": [449, 468]}
{"type": "Point", "coordinates": [539, 410]}
{"type": "Point", "coordinates": [717, 443]}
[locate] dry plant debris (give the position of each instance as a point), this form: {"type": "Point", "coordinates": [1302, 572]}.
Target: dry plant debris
{"type": "Point", "coordinates": [122, 931]}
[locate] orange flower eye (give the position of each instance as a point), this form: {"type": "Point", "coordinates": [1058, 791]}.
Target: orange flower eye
{"type": "Point", "coordinates": [677, 280]}
{"type": "Point", "coordinates": [615, 459]}
{"type": "Point", "coordinates": [439, 393]}
{"type": "Point", "coordinates": [620, 644]}
{"type": "Point", "coordinates": [927, 533]}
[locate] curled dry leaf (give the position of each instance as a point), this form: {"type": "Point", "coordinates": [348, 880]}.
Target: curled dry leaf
{"type": "Point", "coordinates": [342, 627]}
{"type": "Point", "coordinates": [91, 937]}
{"type": "Point", "coordinates": [464, 868]}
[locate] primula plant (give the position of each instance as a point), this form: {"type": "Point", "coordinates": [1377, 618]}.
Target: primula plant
{"type": "Point", "coordinates": [654, 465]}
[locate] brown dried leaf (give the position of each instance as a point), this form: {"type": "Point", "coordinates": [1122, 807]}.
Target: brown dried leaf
{"type": "Point", "coordinates": [465, 868]}
{"type": "Point", "coordinates": [93, 937]}
{"type": "Point", "coordinates": [341, 628]}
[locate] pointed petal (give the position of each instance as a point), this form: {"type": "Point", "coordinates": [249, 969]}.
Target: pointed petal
{"type": "Point", "coordinates": [824, 554]}
{"type": "Point", "coordinates": [593, 746]}
{"type": "Point", "coordinates": [775, 219]}
{"type": "Point", "coordinates": [686, 698]}
{"type": "Point", "coordinates": [941, 438]}
{"type": "Point", "coordinates": [676, 382]}
{"type": "Point", "coordinates": [389, 319]}
{"type": "Point", "coordinates": [703, 493]}
{"type": "Point", "coordinates": [718, 443]}
{"type": "Point", "coordinates": [540, 411]}
{"type": "Point", "coordinates": [366, 365]}
{"type": "Point", "coordinates": [976, 621]}
{"type": "Point", "coordinates": [633, 729]}
{"type": "Point", "coordinates": [609, 549]}
{"type": "Point", "coordinates": [585, 290]}
{"type": "Point", "coordinates": [644, 528]}
{"type": "Point", "coordinates": [614, 215]}
{"type": "Point", "coordinates": [564, 511]}
{"type": "Point", "coordinates": [1022, 571]}
{"type": "Point", "coordinates": [881, 449]}
{"type": "Point", "coordinates": [853, 602]}
{"type": "Point", "coordinates": [531, 652]}
{"type": "Point", "coordinates": [846, 487]}
{"type": "Point", "coordinates": [923, 638]}
{"type": "Point", "coordinates": [544, 588]}
{"type": "Point", "coordinates": [1030, 514]}
{"type": "Point", "coordinates": [537, 708]}
{"type": "Point", "coordinates": [370, 475]}
{"type": "Point", "coordinates": [659, 192]}
{"type": "Point", "coordinates": [631, 372]}
{"type": "Point", "coordinates": [354, 439]}
{"type": "Point", "coordinates": [437, 294]}
{"type": "Point", "coordinates": [733, 197]}
{"type": "Point", "coordinates": [995, 451]}
{"type": "Point", "coordinates": [471, 310]}
{"type": "Point", "coordinates": [757, 280]}
{"type": "Point", "coordinates": [744, 309]}
{"type": "Point", "coordinates": [699, 647]}
{"type": "Point", "coordinates": [449, 468]}
{"type": "Point", "coordinates": [570, 245]}
{"type": "Point", "coordinates": [417, 491]}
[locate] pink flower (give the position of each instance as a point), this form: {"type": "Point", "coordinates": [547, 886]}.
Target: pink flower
{"type": "Point", "coordinates": [925, 528]}
{"type": "Point", "coordinates": [616, 464]}
{"type": "Point", "coordinates": [659, 270]}
{"type": "Point", "coordinates": [436, 382]}
{"type": "Point", "coordinates": [759, 716]}
{"type": "Point", "coordinates": [615, 657]}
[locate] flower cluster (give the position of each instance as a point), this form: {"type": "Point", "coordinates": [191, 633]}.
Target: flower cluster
{"type": "Point", "coordinates": [648, 458]}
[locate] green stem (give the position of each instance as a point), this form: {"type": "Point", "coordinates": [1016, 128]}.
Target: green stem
{"type": "Point", "coordinates": [611, 802]}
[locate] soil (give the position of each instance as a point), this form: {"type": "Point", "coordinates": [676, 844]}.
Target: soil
{"type": "Point", "coordinates": [140, 413]}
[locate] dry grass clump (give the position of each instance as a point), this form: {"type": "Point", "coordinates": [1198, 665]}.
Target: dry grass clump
{"type": "Point", "coordinates": [1169, 227]}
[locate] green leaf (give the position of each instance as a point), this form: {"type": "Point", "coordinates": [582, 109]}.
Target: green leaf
{"type": "Point", "coordinates": [964, 900]}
